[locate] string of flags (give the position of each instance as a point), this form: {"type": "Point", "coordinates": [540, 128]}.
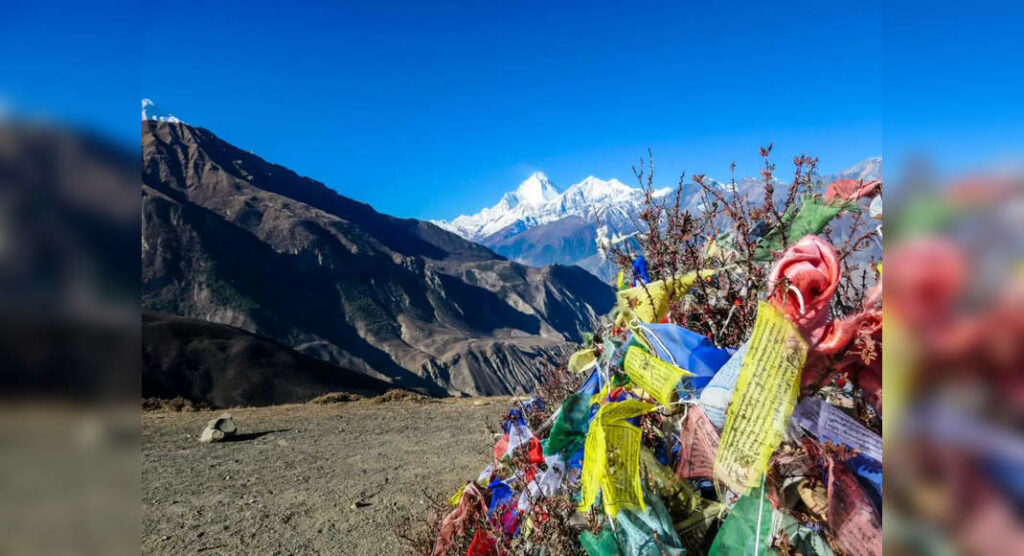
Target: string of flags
{"type": "Point", "coordinates": [674, 445]}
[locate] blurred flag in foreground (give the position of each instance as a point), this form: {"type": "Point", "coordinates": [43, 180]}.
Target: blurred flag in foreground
{"type": "Point", "coordinates": [954, 363]}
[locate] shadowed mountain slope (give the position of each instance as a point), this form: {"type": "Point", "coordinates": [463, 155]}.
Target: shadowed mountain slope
{"type": "Point", "coordinates": [224, 366]}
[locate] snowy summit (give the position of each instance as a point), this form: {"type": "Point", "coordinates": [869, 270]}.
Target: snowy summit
{"type": "Point", "coordinates": [150, 111]}
{"type": "Point", "coordinates": [536, 202]}
{"type": "Point", "coordinates": [534, 191]}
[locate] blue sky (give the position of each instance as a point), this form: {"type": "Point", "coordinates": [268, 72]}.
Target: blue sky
{"type": "Point", "coordinates": [953, 85]}
{"type": "Point", "coordinates": [430, 110]}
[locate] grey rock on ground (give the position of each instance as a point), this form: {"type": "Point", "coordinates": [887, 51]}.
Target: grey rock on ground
{"type": "Point", "coordinates": [218, 429]}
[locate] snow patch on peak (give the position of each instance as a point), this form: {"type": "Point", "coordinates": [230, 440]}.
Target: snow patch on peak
{"type": "Point", "coordinates": [593, 192]}
{"type": "Point", "coordinates": [150, 111]}
{"type": "Point", "coordinates": [594, 185]}
{"type": "Point", "coordinates": [535, 190]}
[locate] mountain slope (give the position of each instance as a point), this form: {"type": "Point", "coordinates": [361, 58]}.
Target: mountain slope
{"type": "Point", "coordinates": [233, 239]}
{"type": "Point", "coordinates": [225, 366]}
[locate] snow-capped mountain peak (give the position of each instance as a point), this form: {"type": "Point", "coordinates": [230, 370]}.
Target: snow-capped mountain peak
{"type": "Point", "coordinates": [866, 170]}
{"type": "Point", "coordinates": [534, 191]}
{"type": "Point", "coordinates": [536, 202]}
{"type": "Point", "coordinates": [596, 190]}
{"type": "Point", "coordinates": [150, 111]}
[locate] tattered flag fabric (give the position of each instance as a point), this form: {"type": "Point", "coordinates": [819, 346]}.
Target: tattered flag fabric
{"type": "Point", "coordinates": [685, 349]}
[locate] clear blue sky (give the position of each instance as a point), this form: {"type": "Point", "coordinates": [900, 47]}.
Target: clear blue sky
{"type": "Point", "coordinates": [953, 85]}
{"type": "Point", "coordinates": [430, 110]}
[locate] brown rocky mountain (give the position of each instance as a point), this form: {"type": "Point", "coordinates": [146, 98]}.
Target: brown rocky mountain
{"type": "Point", "coordinates": [230, 238]}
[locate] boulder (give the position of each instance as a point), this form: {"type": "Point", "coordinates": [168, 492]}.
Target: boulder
{"type": "Point", "coordinates": [218, 429]}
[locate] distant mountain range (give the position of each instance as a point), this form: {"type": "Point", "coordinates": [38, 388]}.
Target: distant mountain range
{"type": "Point", "coordinates": [534, 224]}
{"type": "Point", "coordinates": [232, 239]}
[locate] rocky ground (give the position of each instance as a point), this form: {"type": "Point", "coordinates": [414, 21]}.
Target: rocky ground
{"type": "Point", "coordinates": [307, 478]}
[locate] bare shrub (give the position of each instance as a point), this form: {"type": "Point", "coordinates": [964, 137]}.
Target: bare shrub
{"type": "Point", "coordinates": [420, 532]}
{"type": "Point", "coordinates": [721, 241]}
{"type": "Point", "coordinates": [400, 396]}
{"type": "Point", "coordinates": [335, 397]}
{"type": "Point", "coordinates": [557, 383]}
{"type": "Point", "coordinates": [178, 404]}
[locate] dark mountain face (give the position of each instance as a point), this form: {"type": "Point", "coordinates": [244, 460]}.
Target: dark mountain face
{"type": "Point", "coordinates": [230, 238]}
{"type": "Point", "coordinates": [223, 366]}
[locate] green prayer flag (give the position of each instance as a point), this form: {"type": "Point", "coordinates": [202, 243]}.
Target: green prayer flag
{"type": "Point", "coordinates": [748, 529]}
{"type": "Point", "coordinates": [569, 431]}
{"type": "Point", "coordinates": [811, 218]}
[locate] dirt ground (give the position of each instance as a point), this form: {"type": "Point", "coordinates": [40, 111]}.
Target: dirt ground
{"type": "Point", "coordinates": [302, 479]}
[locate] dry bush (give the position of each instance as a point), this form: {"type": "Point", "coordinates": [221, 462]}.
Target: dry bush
{"type": "Point", "coordinates": [178, 404]}
{"type": "Point", "coordinates": [537, 418]}
{"type": "Point", "coordinates": [420, 532]}
{"type": "Point", "coordinates": [400, 396]}
{"type": "Point", "coordinates": [558, 382]}
{"type": "Point", "coordinates": [675, 241]}
{"type": "Point", "coordinates": [553, 531]}
{"type": "Point", "coordinates": [335, 397]}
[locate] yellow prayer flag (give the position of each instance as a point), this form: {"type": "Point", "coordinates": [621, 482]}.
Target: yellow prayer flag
{"type": "Point", "coordinates": [627, 409]}
{"type": "Point", "coordinates": [594, 460]}
{"type": "Point", "coordinates": [650, 302]}
{"type": "Point", "coordinates": [458, 496]}
{"type": "Point", "coordinates": [900, 359]}
{"type": "Point", "coordinates": [611, 458]}
{"type": "Point", "coordinates": [711, 248]}
{"type": "Point", "coordinates": [620, 486]}
{"type": "Point", "coordinates": [658, 378]}
{"type": "Point", "coordinates": [602, 395]}
{"type": "Point", "coordinates": [765, 395]}
{"type": "Point", "coordinates": [582, 360]}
